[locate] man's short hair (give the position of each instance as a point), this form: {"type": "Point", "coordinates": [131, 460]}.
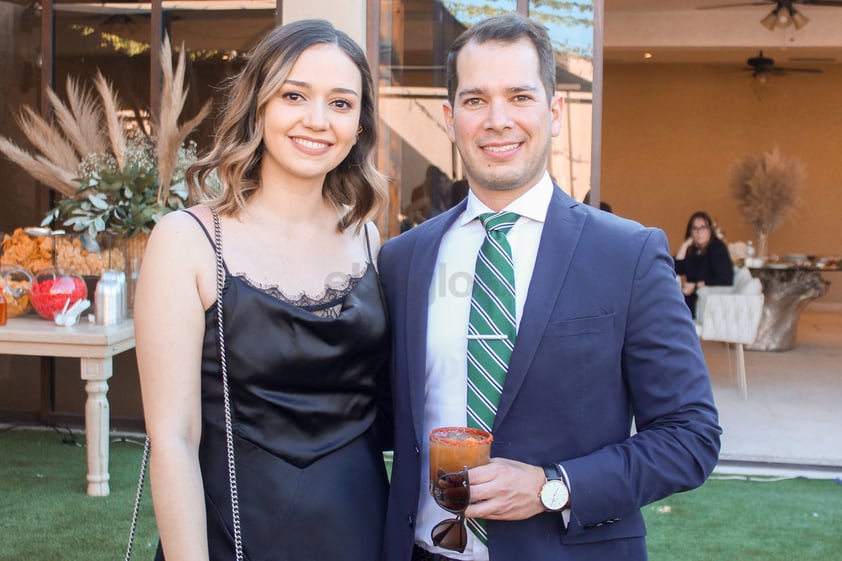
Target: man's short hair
{"type": "Point", "coordinates": [508, 28]}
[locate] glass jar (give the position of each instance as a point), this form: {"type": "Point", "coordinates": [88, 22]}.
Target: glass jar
{"type": "Point", "coordinates": [15, 284]}
{"type": "Point", "coordinates": [54, 291]}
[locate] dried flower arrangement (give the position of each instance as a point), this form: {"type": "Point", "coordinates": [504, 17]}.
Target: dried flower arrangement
{"type": "Point", "coordinates": [767, 188]}
{"type": "Point", "coordinates": [112, 181]}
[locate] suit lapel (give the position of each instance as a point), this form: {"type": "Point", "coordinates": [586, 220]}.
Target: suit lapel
{"type": "Point", "coordinates": [559, 238]}
{"type": "Point", "coordinates": [421, 268]}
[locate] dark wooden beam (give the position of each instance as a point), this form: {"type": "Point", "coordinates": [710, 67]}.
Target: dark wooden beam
{"type": "Point", "coordinates": [44, 197]}
{"type": "Point", "coordinates": [156, 25]}
{"type": "Point", "coordinates": [48, 37]}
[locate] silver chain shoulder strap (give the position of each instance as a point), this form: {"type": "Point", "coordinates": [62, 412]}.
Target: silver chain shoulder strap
{"type": "Point", "coordinates": [229, 432]}
{"type": "Point", "coordinates": [144, 462]}
{"type": "Point", "coordinates": [229, 429]}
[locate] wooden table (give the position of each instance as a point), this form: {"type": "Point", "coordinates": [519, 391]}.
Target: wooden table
{"type": "Point", "coordinates": [95, 346]}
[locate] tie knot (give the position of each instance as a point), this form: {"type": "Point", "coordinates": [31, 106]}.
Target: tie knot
{"type": "Point", "coordinates": [498, 221]}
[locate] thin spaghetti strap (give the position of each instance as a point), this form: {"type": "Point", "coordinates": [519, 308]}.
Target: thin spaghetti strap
{"type": "Point", "coordinates": [205, 230]}
{"type": "Point", "coordinates": [207, 235]}
{"type": "Point", "coordinates": [368, 245]}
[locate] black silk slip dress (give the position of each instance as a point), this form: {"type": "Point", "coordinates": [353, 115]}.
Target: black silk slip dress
{"type": "Point", "coordinates": [304, 390]}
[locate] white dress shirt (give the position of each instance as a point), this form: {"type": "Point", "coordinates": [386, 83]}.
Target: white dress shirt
{"type": "Point", "coordinates": [447, 328]}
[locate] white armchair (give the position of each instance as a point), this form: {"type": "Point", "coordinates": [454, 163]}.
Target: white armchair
{"type": "Point", "coordinates": [731, 314]}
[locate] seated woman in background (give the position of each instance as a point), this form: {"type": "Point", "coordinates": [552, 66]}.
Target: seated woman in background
{"type": "Point", "coordinates": [702, 259]}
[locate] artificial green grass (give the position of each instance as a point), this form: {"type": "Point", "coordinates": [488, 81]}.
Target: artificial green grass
{"type": "Point", "coordinates": [748, 520]}
{"type": "Point", "coordinates": [45, 514]}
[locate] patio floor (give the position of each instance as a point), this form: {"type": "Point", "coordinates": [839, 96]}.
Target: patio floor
{"type": "Point", "coordinates": [791, 423]}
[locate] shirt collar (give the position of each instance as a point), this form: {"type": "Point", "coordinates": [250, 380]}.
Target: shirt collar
{"type": "Point", "coordinates": [532, 204]}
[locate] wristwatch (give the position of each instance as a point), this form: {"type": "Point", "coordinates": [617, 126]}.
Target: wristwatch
{"type": "Point", "coordinates": [554, 494]}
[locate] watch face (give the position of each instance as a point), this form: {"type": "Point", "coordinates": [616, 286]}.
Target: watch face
{"type": "Point", "coordinates": [554, 495]}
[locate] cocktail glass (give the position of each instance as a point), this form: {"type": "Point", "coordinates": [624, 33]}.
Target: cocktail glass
{"type": "Point", "coordinates": [453, 451]}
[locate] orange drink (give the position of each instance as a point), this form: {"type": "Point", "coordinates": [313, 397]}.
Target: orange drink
{"type": "Point", "coordinates": [452, 450]}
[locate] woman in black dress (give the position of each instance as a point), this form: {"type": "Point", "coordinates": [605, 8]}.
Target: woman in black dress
{"type": "Point", "coordinates": [304, 321]}
{"type": "Point", "coordinates": [702, 259]}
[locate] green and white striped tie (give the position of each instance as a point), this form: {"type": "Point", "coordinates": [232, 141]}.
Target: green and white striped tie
{"type": "Point", "coordinates": [491, 328]}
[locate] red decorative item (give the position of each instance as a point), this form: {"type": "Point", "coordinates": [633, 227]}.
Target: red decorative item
{"type": "Point", "coordinates": [52, 290]}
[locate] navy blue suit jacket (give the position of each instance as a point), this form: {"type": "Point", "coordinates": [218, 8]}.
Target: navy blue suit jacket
{"type": "Point", "coordinates": [605, 338]}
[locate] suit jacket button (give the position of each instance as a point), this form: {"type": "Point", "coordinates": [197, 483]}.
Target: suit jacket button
{"type": "Point", "coordinates": [417, 451]}
{"type": "Point", "coordinates": [410, 520]}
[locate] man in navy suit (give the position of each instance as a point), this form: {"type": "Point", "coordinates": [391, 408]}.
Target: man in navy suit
{"type": "Point", "coordinates": [606, 401]}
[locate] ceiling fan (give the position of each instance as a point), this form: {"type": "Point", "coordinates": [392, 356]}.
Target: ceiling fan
{"type": "Point", "coordinates": [783, 13]}
{"type": "Point", "coordinates": [762, 65]}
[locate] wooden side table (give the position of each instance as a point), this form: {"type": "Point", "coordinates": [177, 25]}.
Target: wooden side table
{"type": "Point", "coordinates": [95, 346]}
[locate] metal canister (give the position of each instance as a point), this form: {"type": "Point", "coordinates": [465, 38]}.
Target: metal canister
{"type": "Point", "coordinates": [110, 298]}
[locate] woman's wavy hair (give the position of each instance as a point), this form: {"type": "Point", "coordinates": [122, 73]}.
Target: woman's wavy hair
{"type": "Point", "coordinates": [237, 153]}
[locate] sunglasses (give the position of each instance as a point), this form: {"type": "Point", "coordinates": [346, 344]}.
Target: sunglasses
{"type": "Point", "coordinates": [452, 492]}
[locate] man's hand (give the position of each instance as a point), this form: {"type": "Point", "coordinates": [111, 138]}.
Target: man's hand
{"type": "Point", "coordinates": [505, 490]}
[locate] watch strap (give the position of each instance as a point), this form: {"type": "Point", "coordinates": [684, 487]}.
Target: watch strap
{"type": "Point", "coordinates": [551, 471]}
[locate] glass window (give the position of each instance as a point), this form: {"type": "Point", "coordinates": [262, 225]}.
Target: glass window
{"type": "Point", "coordinates": [116, 41]}
{"type": "Point", "coordinates": [216, 40]}
{"type": "Point", "coordinates": [20, 66]}
{"type": "Point", "coordinates": [110, 39]}
{"type": "Point", "coordinates": [571, 29]}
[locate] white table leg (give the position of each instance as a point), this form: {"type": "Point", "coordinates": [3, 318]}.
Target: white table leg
{"type": "Point", "coordinates": [97, 371]}
{"type": "Point", "coordinates": [741, 371]}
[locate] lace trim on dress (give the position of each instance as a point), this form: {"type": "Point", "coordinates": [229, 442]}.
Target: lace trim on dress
{"type": "Point", "coordinates": [327, 305]}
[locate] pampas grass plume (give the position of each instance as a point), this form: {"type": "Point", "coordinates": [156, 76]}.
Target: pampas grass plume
{"type": "Point", "coordinates": [90, 124]}
{"type": "Point", "coordinates": [767, 188]}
